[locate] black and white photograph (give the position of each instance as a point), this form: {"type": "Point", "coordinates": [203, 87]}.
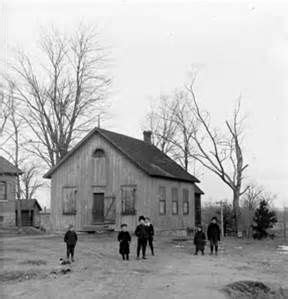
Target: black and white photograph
{"type": "Point", "coordinates": [144, 149]}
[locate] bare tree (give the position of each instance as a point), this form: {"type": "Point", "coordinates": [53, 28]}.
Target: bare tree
{"type": "Point", "coordinates": [30, 182]}
{"type": "Point", "coordinates": [4, 112]}
{"type": "Point", "coordinates": [250, 201]}
{"type": "Point", "coordinates": [222, 154]}
{"type": "Point", "coordinates": [187, 127]}
{"type": "Point", "coordinates": [11, 144]}
{"type": "Point", "coordinates": [161, 123]}
{"type": "Point", "coordinates": [64, 94]}
{"type": "Point", "coordinates": [173, 127]}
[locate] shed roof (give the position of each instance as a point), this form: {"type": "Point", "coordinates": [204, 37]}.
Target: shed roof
{"type": "Point", "coordinates": [30, 204]}
{"type": "Point", "coordinates": [8, 168]}
{"type": "Point", "coordinates": [143, 154]}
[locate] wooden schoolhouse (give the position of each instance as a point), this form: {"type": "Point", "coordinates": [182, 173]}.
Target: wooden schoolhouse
{"type": "Point", "coordinates": [109, 178]}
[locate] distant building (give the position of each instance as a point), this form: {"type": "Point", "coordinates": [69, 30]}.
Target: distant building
{"type": "Point", "coordinates": [109, 179]}
{"type": "Point", "coordinates": [30, 212]}
{"type": "Point", "coordinates": [8, 181]}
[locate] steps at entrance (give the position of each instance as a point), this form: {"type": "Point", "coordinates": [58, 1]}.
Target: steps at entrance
{"type": "Point", "coordinates": [98, 228]}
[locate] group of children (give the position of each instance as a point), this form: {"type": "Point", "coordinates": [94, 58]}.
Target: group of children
{"type": "Point", "coordinates": [145, 233]}
{"type": "Point", "coordinates": [213, 235]}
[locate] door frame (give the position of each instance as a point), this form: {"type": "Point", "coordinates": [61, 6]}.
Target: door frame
{"type": "Point", "coordinates": [102, 218]}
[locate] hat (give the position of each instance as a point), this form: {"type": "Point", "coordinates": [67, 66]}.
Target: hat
{"type": "Point", "coordinates": [123, 225]}
{"type": "Point", "coordinates": [214, 218]}
{"type": "Point", "coordinates": [141, 218]}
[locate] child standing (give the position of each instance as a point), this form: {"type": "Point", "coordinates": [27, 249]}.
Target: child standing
{"type": "Point", "coordinates": [142, 235]}
{"type": "Point", "coordinates": [150, 230]}
{"type": "Point", "coordinates": [199, 240]}
{"type": "Point", "coordinates": [124, 239]}
{"type": "Point", "coordinates": [213, 234]}
{"type": "Point", "coordinates": [70, 239]}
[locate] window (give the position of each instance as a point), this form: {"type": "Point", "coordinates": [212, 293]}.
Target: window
{"type": "Point", "coordinates": [185, 202]}
{"type": "Point", "coordinates": [69, 200]}
{"type": "Point", "coordinates": [174, 201]}
{"type": "Point", "coordinates": [99, 167]}
{"type": "Point", "coordinates": [128, 199]}
{"type": "Point", "coordinates": [162, 200]}
{"type": "Point", "coordinates": [98, 153]}
{"type": "Point", "coordinates": [3, 191]}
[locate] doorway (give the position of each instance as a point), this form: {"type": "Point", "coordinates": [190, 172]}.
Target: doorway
{"type": "Point", "coordinates": [98, 208]}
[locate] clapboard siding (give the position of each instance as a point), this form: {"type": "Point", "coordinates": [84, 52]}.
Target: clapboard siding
{"type": "Point", "coordinates": [79, 171]}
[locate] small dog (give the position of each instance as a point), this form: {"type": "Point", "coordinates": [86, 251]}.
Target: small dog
{"type": "Point", "coordinates": [64, 262]}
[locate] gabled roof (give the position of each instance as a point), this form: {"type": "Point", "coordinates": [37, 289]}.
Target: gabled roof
{"type": "Point", "coordinates": [144, 155]}
{"type": "Point", "coordinates": [8, 168]}
{"type": "Point", "coordinates": [29, 204]}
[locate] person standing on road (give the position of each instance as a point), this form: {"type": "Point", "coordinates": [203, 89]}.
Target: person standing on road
{"type": "Point", "coordinates": [199, 240]}
{"type": "Point", "coordinates": [142, 235]}
{"type": "Point", "coordinates": [124, 239]}
{"type": "Point", "coordinates": [213, 235]}
{"type": "Point", "coordinates": [70, 239]}
{"type": "Point", "coordinates": [150, 230]}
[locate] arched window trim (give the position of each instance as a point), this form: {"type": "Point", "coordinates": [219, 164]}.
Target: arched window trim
{"type": "Point", "coordinates": [98, 153]}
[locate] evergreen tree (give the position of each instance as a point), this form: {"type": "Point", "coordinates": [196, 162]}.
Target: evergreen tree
{"type": "Point", "coordinates": [264, 218]}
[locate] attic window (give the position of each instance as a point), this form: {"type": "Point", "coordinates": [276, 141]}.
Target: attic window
{"type": "Point", "coordinates": [98, 153]}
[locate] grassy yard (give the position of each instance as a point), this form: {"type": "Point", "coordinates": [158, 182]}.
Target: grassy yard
{"type": "Point", "coordinates": [31, 269]}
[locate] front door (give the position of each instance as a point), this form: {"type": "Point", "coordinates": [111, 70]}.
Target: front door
{"type": "Point", "coordinates": [98, 207]}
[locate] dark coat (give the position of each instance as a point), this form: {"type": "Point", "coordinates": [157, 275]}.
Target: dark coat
{"type": "Point", "coordinates": [199, 240]}
{"type": "Point", "coordinates": [141, 232]}
{"type": "Point", "coordinates": [213, 232]}
{"type": "Point", "coordinates": [70, 238]}
{"type": "Point", "coordinates": [124, 238]}
{"type": "Point", "coordinates": [150, 230]}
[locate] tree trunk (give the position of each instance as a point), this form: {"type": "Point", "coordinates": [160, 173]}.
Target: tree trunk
{"type": "Point", "coordinates": [236, 209]}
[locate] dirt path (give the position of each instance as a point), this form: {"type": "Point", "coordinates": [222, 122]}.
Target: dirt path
{"type": "Point", "coordinates": [100, 273]}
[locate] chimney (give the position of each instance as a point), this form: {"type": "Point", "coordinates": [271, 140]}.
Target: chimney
{"type": "Point", "coordinates": [147, 136]}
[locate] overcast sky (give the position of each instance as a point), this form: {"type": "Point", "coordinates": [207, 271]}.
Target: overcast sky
{"type": "Point", "coordinates": [239, 47]}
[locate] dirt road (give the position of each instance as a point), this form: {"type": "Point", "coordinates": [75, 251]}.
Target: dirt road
{"type": "Point", "coordinates": [100, 273]}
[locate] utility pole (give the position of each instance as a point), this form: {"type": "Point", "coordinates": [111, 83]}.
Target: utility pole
{"type": "Point", "coordinates": [222, 217]}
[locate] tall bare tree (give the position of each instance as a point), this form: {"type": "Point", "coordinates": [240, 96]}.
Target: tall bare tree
{"type": "Point", "coordinates": [4, 112]}
{"type": "Point", "coordinates": [161, 122]}
{"type": "Point", "coordinates": [221, 153]}
{"type": "Point", "coordinates": [30, 182]}
{"type": "Point", "coordinates": [11, 143]}
{"type": "Point", "coordinates": [64, 93]}
{"type": "Point", "coordinates": [187, 127]}
{"type": "Point", "coordinates": [173, 126]}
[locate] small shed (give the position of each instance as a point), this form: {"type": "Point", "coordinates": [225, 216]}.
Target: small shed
{"type": "Point", "coordinates": [30, 212]}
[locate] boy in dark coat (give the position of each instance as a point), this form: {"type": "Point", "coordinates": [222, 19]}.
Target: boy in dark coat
{"type": "Point", "coordinates": [199, 240]}
{"type": "Point", "coordinates": [142, 235]}
{"type": "Point", "coordinates": [124, 239]}
{"type": "Point", "coordinates": [150, 230]}
{"type": "Point", "coordinates": [213, 234]}
{"type": "Point", "coordinates": [70, 239]}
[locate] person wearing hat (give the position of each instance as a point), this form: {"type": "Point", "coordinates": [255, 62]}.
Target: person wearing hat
{"type": "Point", "coordinates": [142, 237]}
{"type": "Point", "coordinates": [199, 240]}
{"type": "Point", "coordinates": [213, 235]}
{"type": "Point", "coordinates": [124, 239]}
{"type": "Point", "coordinates": [70, 239]}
